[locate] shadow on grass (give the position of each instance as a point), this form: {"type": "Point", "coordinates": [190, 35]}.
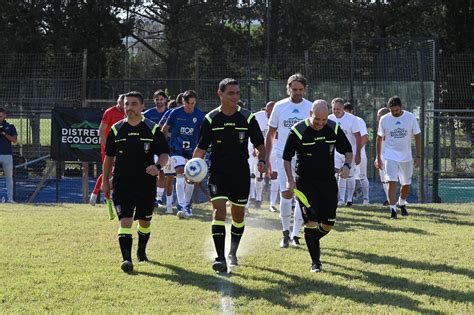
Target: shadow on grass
{"type": "Point", "coordinates": [283, 291]}
{"type": "Point", "coordinates": [425, 212]}
{"type": "Point", "coordinates": [369, 298]}
{"type": "Point", "coordinates": [390, 260]}
{"type": "Point", "coordinates": [404, 284]}
{"type": "Point", "coordinates": [345, 224]}
{"type": "Point", "coordinates": [223, 285]}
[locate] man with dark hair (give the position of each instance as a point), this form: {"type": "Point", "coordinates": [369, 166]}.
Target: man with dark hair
{"type": "Point", "coordinates": [314, 140]}
{"type": "Point", "coordinates": [184, 124]}
{"type": "Point", "coordinates": [394, 141]}
{"type": "Point", "coordinates": [132, 145]}
{"type": "Point", "coordinates": [155, 114]}
{"type": "Point", "coordinates": [109, 118]}
{"type": "Point", "coordinates": [8, 136]}
{"type": "Point", "coordinates": [285, 114]}
{"type": "Point", "coordinates": [227, 130]}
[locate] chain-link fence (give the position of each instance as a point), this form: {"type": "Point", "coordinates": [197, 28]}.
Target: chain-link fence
{"type": "Point", "coordinates": [368, 76]}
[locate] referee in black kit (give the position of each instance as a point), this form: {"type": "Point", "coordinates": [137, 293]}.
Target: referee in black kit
{"type": "Point", "coordinates": [314, 140]}
{"type": "Point", "coordinates": [227, 130]}
{"type": "Point", "coordinates": [132, 144]}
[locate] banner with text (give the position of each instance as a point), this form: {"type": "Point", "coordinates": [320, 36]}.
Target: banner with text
{"type": "Point", "coordinates": [75, 134]}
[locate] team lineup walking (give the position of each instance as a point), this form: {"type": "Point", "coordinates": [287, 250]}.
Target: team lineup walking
{"type": "Point", "coordinates": [314, 158]}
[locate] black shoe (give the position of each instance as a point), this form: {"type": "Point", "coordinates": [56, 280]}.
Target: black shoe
{"type": "Point", "coordinates": [233, 261]}
{"type": "Point", "coordinates": [393, 214]}
{"type": "Point", "coordinates": [273, 209]}
{"type": "Point", "coordinates": [316, 267]}
{"type": "Point", "coordinates": [127, 266]}
{"type": "Point", "coordinates": [349, 204]}
{"type": "Point", "coordinates": [141, 256]}
{"type": "Point", "coordinates": [403, 210]}
{"type": "Point", "coordinates": [258, 204]}
{"type": "Point", "coordinates": [285, 241]}
{"type": "Point", "coordinates": [219, 265]}
{"type": "Point", "coordinates": [385, 203]}
{"type": "Point", "coordinates": [295, 241]}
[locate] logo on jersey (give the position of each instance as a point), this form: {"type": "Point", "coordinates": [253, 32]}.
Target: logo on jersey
{"type": "Point", "coordinates": [242, 136]}
{"type": "Point", "coordinates": [146, 147]}
{"type": "Point", "coordinates": [288, 123]}
{"type": "Point", "coordinates": [186, 144]}
{"type": "Point", "coordinates": [399, 133]}
{"type": "Point", "coordinates": [188, 131]}
{"type": "Point", "coordinates": [195, 119]}
{"type": "Point", "coordinates": [295, 111]}
{"type": "Point", "coordinates": [398, 123]}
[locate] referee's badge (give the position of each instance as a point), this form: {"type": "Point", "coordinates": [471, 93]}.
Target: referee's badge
{"type": "Point", "coordinates": [146, 147]}
{"type": "Point", "coordinates": [213, 189]}
{"type": "Point", "coordinates": [242, 136]}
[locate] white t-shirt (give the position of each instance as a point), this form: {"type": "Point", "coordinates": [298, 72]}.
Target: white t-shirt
{"type": "Point", "coordinates": [397, 133]}
{"type": "Point", "coordinates": [350, 125]}
{"type": "Point", "coordinates": [262, 120]}
{"type": "Point", "coordinates": [363, 132]}
{"type": "Point", "coordinates": [284, 115]}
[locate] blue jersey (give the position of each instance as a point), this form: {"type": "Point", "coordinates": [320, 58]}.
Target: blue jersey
{"type": "Point", "coordinates": [5, 144]}
{"type": "Point", "coordinates": [154, 115]}
{"type": "Point", "coordinates": [184, 129]}
{"type": "Point", "coordinates": [163, 120]}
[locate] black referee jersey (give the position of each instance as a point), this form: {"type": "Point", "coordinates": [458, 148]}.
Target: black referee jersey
{"type": "Point", "coordinates": [134, 148]}
{"type": "Point", "coordinates": [228, 137]}
{"type": "Point", "coordinates": [315, 148]}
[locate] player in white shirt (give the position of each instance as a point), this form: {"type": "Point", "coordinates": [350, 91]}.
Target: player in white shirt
{"type": "Point", "coordinates": [394, 142]}
{"type": "Point", "coordinates": [361, 169]}
{"type": "Point", "coordinates": [350, 125]}
{"type": "Point", "coordinates": [286, 113]}
{"type": "Point", "coordinates": [380, 113]}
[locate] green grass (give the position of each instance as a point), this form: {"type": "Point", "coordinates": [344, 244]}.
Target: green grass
{"type": "Point", "coordinates": [23, 130]}
{"type": "Point", "coordinates": [65, 259]}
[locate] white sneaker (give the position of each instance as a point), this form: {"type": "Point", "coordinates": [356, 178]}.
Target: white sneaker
{"type": "Point", "coordinates": [11, 201]}
{"type": "Point", "coordinates": [93, 199]}
{"type": "Point", "coordinates": [366, 202]}
{"type": "Point", "coordinates": [341, 203]}
{"type": "Point", "coordinates": [169, 210]}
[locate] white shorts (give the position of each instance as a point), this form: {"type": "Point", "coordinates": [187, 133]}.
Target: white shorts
{"type": "Point", "coordinates": [339, 162]}
{"type": "Point", "coordinates": [398, 171]}
{"type": "Point", "coordinates": [174, 162]}
{"type": "Point", "coordinates": [253, 164]}
{"type": "Point", "coordinates": [280, 168]}
{"type": "Point", "coordinates": [361, 169]}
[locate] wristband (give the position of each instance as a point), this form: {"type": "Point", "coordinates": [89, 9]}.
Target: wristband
{"type": "Point", "coordinates": [348, 165]}
{"type": "Point", "coordinates": [262, 161]}
{"type": "Point", "coordinates": [158, 166]}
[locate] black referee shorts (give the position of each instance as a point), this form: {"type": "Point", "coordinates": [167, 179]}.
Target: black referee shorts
{"type": "Point", "coordinates": [134, 198]}
{"type": "Point", "coordinates": [232, 184]}
{"type": "Point", "coordinates": [322, 196]}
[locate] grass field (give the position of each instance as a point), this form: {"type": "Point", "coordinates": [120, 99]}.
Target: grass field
{"type": "Point", "coordinates": [65, 259]}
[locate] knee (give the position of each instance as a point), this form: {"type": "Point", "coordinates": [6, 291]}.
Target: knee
{"type": "Point", "coordinates": [287, 194]}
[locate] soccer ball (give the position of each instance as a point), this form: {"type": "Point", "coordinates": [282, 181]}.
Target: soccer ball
{"type": "Point", "coordinates": [195, 170]}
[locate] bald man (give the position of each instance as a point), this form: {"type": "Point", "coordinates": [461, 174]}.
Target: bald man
{"type": "Point", "coordinates": [314, 141]}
